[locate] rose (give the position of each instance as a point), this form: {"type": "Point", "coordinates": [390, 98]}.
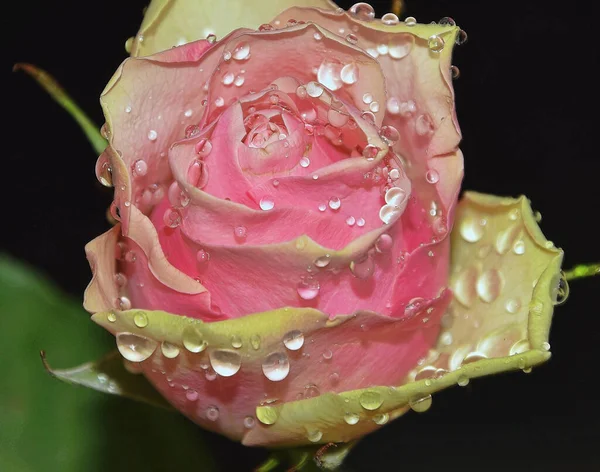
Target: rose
{"type": "Point", "coordinates": [285, 197]}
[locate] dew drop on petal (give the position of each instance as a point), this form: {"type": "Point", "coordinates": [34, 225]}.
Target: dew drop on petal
{"type": "Point", "coordinates": [329, 74]}
{"type": "Point", "coordinates": [212, 413]}
{"type": "Point", "coordinates": [370, 400]}
{"type": "Point", "coordinates": [323, 261]}
{"type": "Point", "coordinates": [170, 351]}
{"type": "Point", "coordinates": [240, 232]}
{"type": "Point", "coordinates": [225, 362]}
{"type": "Point", "coordinates": [350, 221]}
{"type": "Point", "coordinates": [410, 21]}
{"type": "Point", "coordinates": [395, 196]}
{"type": "Point", "coordinates": [266, 203]}
{"type": "Point", "coordinates": [362, 11]}
{"type": "Point", "coordinates": [432, 176]}
{"type": "Point", "coordinates": [152, 135]}
{"type": "Point", "coordinates": [363, 267]}
{"type": "Point", "coordinates": [335, 203]}
{"type": "Point", "coordinates": [191, 395]}
{"type": "Point", "coordinates": [193, 341]}
{"type": "Point", "coordinates": [381, 419]}
{"type": "Point", "coordinates": [308, 289]}
{"type": "Point", "coordinates": [471, 230]}
{"type": "Point", "coordinates": [420, 404]}
{"type": "Point", "coordinates": [293, 340]}
{"type": "Point", "coordinates": [351, 418]}
{"type": "Point", "coordinates": [314, 436]}
{"type": "Point", "coordinates": [390, 19]}
{"type": "Point", "coordinates": [140, 168]}
{"type": "Point", "coordinates": [384, 243]}
{"type": "Point", "coordinates": [228, 78]}
{"type": "Point", "coordinates": [140, 319]}
{"type": "Point", "coordinates": [435, 43]}
{"type": "Point", "coordinates": [349, 73]}
{"type": "Point", "coordinates": [424, 125]}
{"type": "Point", "coordinates": [276, 366]}
{"type": "Point", "coordinates": [135, 348]}
{"type": "Point", "coordinates": [489, 285]}
{"type": "Point", "coordinates": [314, 89]}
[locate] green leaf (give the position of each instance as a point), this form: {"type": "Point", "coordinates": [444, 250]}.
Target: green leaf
{"type": "Point", "coordinates": [50, 85]}
{"type": "Point", "coordinates": [48, 426]}
{"type": "Point", "coordinates": [109, 375]}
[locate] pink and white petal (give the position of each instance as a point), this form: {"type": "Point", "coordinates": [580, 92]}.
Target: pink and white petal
{"type": "Point", "coordinates": [102, 292]}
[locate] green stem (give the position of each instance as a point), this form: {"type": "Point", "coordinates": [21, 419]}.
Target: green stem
{"type": "Point", "coordinates": [582, 270]}
{"type": "Point", "coordinates": [51, 86]}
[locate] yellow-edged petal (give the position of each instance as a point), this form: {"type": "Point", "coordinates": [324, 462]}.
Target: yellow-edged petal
{"type": "Point", "coordinates": [169, 23]}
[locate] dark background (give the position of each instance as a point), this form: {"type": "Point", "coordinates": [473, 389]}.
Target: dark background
{"type": "Point", "coordinates": [525, 101]}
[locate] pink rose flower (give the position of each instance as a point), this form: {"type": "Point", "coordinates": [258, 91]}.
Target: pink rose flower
{"type": "Point", "coordinates": [285, 197]}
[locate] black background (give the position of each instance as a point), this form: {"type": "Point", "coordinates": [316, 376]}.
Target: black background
{"type": "Point", "coordinates": [526, 101]}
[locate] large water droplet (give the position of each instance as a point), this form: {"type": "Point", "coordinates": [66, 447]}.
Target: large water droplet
{"type": "Point", "coordinates": [335, 203]}
{"type": "Point", "coordinates": [293, 340]}
{"type": "Point", "coordinates": [370, 400]}
{"type": "Point", "coordinates": [489, 285]}
{"type": "Point", "coordinates": [349, 73]}
{"type": "Point", "coordinates": [314, 436]}
{"type": "Point", "coordinates": [559, 289]}
{"type": "Point", "coordinates": [225, 362]}
{"type": "Point", "coordinates": [471, 229]}
{"type": "Point", "coordinates": [322, 261]}
{"type": "Point", "coordinates": [362, 11]}
{"type": "Point", "coordinates": [135, 348]}
{"type": "Point", "coordinates": [308, 288]}
{"type": "Point", "coordinates": [420, 404]}
{"type": "Point", "coordinates": [140, 168]}
{"type": "Point", "coordinates": [170, 351]}
{"type": "Point", "coordinates": [193, 341]}
{"type": "Point", "coordinates": [390, 19]}
{"type": "Point", "coordinates": [388, 212]}
{"type": "Point", "coordinates": [241, 52]}
{"type": "Point", "coordinates": [410, 21]}
{"type": "Point", "coordinates": [401, 46]}
{"type": "Point", "coordinates": [381, 419]}
{"type": "Point", "coordinates": [329, 74]}
{"type": "Point", "coordinates": [266, 203]}
{"type": "Point", "coordinates": [395, 196]}
{"type": "Point", "coordinates": [362, 268]}
{"type": "Point", "coordinates": [435, 43]}
{"type": "Point", "coordinates": [276, 366]}
{"type": "Point", "coordinates": [351, 418]}
{"type": "Point", "coordinates": [140, 319]}
{"type": "Point", "coordinates": [267, 414]}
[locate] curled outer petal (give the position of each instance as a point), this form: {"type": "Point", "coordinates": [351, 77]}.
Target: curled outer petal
{"type": "Point", "coordinates": [519, 265]}
{"type": "Point", "coordinates": [169, 23]}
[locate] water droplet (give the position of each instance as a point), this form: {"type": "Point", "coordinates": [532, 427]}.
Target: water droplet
{"type": "Point", "coordinates": [388, 212]}
{"type": "Point", "coordinates": [512, 305]}
{"type": "Point", "coordinates": [255, 341]}
{"type": "Point", "coordinates": [239, 80]}
{"type": "Point", "coordinates": [293, 340]}
{"type": "Point", "coordinates": [123, 303]}
{"type": "Point", "coordinates": [410, 21]}
{"type": "Point", "coordinates": [225, 362]}
{"type": "Point", "coordinates": [104, 171]}
{"type": "Point", "coordinates": [362, 11]}
{"type": "Point", "coordinates": [463, 381]}
{"type": "Point", "coordinates": [350, 221]}
{"type": "Point", "coordinates": [349, 73]}
{"type": "Point", "coordinates": [447, 21]}
{"type": "Point", "coordinates": [323, 261]}
{"type": "Point", "coordinates": [318, 36]}
{"type": "Point", "coordinates": [135, 348]}
{"type": "Point", "coordinates": [367, 98]}
{"type": "Point", "coordinates": [191, 395]}
{"type": "Point", "coordinates": [351, 418]}
{"type": "Point", "coordinates": [311, 391]}
{"type": "Point", "coordinates": [227, 56]}
{"type": "Point", "coordinates": [420, 404]}
{"type": "Point", "coordinates": [210, 375]}
{"type": "Point", "coordinates": [152, 135]}
{"type": "Point", "coordinates": [188, 113]}
{"type": "Point", "coordinates": [352, 38]}
{"type": "Point", "coordinates": [360, 222]}
{"type": "Point", "coordinates": [219, 101]}
{"type": "Point", "coordinates": [276, 366]}
{"type": "Point", "coordinates": [236, 342]}
{"type": "Point", "coordinates": [140, 168]}
{"type": "Point", "coordinates": [461, 38]}
{"type": "Point", "coordinates": [390, 19]}
{"type": "Point", "coordinates": [432, 176]}
{"type": "Point", "coordinates": [374, 107]}
{"type": "Point", "coordinates": [304, 162]}
{"type": "Point", "coordinates": [471, 229]}
{"type": "Point", "coordinates": [370, 400]}
{"type": "Point", "coordinates": [249, 422]}
{"type": "Point", "coordinates": [212, 413]}
{"type": "Point", "coordinates": [211, 38]}
{"type": "Point", "coordinates": [322, 207]}
{"type": "Point", "coordinates": [240, 232]}
{"type": "Point", "coordinates": [170, 351]}
{"type": "Point", "coordinates": [424, 125]}
{"type": "Point", "coordinates": [381, 419]}
{"type": "Point", "coordinates": [489, 285]}
{"type": "Point", "coordinates": [519, 247]}
{"type": "Point", "coordinates": [362, 268]}
{"type": "Point", "coordinates": [202, 256]}
{"type": "Point", "coordinates": [193, 341]}
{"type": "Point", "coordinates": [390, 134]}
{"type": "Point", "coordinates": [335, 203]}
{"type": "Point", "coordinates": [140, 319]}
{"type": "Point", "coordinates": [384, 243]}
{"type": "Point", "coordinates": [328, 74]}
{"type": "Point", "coordinates": [559, 291]}
{"type": "Point", "coordinates": [370, 152]}
{"type": "Point", "coordinates": [327, 354]}
{"type": "Point", "coordinates": [267, 414]}
{"type": "Point", "coordinates": [454, 72]}
{"type": "Point", "coordinates": [435, 43]}
{"type": "Point", "coordinates": [111, 317]}
{"type": "Point", "coordinates": [172, 218]}
{"type": "Point", "coordinates": [266, 203]}
{"type": "Point", "coordinates": [308, 288]}
{"type": "Point", "coordinates": [395, 196]}
{"type": "Point", "coordinates": [228, 78]}
{"type": "Point", "coordinates": [314, 436]}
